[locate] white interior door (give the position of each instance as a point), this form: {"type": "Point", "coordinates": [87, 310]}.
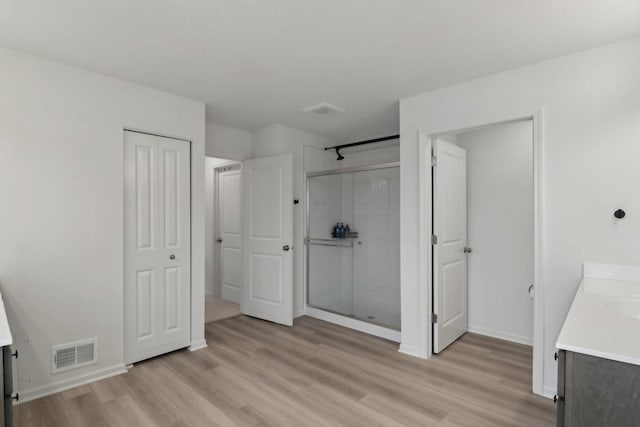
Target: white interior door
{"type": "Point", "coordinates": [450, 231]}
{"type": "Point", "coordinates": [157, 254]}
{"type": "Point", "coordinates": [230, 237]}
{"type": "Point", "coordinates": [268, 239]}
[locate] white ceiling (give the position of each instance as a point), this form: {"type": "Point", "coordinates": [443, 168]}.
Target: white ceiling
{"type": "Point", "coordinates": [259, 62]}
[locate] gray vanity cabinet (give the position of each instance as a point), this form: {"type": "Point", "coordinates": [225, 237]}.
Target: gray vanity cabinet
{"type": "Point", "coordinates": [597, 392]}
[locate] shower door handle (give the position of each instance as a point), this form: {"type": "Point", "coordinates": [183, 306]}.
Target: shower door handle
{"type": "Point", "coordinates": [285, 248]}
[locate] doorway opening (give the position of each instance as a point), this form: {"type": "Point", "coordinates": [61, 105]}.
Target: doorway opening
{"type": "Point", "coordinates": [484, 234]}
{"type": "Point", "coordinates": [223, 229]}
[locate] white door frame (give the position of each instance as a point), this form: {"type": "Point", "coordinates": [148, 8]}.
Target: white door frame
{"type": "Point", "coordinates": [425, 142]}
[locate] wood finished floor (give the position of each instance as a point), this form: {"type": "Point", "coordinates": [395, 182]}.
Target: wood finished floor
{"type": "Point", "coordinates": [256, 373]}
{"type": "Point", "coordinates": [217, 309]}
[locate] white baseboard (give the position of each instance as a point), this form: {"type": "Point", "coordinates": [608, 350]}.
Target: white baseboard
{"type": "Point", "coordinates": [500, 335]}
{"type": "Point", "coordinates": [198, 345]}
{"type": "Point", "coordinates": [549, 392]}
{"type": "Point", "coordinates": [66, 384]}
{"type": "Point", "coordinates": [411, 351]}
{"type": "Point", "coordinates": [358, 325]}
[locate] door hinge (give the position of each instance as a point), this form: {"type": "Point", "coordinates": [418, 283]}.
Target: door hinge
{"type": "Point", "coordinates": [434, 161]}
{"type": "Point", "coordinates": [434, 318]}
{"type": "Point", "coordinates": [434, 239]}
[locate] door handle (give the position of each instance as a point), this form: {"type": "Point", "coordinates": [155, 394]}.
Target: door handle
{"type": "Point", "coordinates": [219, 240]}
{"type": "Point", "coordinates": [530, 291]}
{"type": "Point", "coordinates": [285, 248]}
{"type": "Point", "coordinates": [467, 250]}
{"type": "Point", "coordinates": [172, 257]}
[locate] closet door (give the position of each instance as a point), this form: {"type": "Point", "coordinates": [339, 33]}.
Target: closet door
{"type": "Point", "coordinates": [157, 245]}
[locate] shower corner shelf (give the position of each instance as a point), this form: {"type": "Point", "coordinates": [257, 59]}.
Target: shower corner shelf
{"type": "Point", "coordinates": [352, 235]}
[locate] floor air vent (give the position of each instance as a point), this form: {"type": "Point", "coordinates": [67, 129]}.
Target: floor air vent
{"type": "Point", "coordinates": [74, 355]}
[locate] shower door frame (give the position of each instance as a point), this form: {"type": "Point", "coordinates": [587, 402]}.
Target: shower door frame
{"type": "Point", "coordinates": [328, 315]}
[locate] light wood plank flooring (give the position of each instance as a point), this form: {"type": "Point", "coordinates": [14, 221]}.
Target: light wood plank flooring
{"type": "Point", "coordinates": [217, 309]}
{"type": "Point", "coordinates": [255, 373]}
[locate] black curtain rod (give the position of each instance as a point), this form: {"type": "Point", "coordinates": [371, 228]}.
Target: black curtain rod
{"type": "Point", "coordinates": [368, 141]}
{"type": "Point", "coordinates": [353, 144]}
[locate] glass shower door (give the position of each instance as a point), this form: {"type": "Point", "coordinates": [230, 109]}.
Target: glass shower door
{"type": "Point", "coordinates": [376, 254]}
{"type": "Point", "coordinates": [355, 274]}
{"type": "Point", "coordinates": [330, 266]}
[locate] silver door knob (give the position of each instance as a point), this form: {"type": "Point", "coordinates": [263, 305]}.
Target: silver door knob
{"type": "Point", "coordinates": [467, 250]}
{"type": "Point", "coordinates": [285, 248]}
{"type": "Point", "coordinates": [172, 257]}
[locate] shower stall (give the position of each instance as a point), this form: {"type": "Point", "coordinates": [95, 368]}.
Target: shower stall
{"type": "Point", "coordinates": [353, 248]}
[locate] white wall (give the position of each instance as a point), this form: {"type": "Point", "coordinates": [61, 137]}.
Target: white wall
{"type": "Point", "coordinates": [61, 222]}
{"type": "Point", "coordinates": [500, 229]}
{"type": "Point", "coordinates": [228, 143]}
{"type": "Point", "coordinates": [591, 125]}
{"type": "Point", "coordinates": [278, 139]}
{"type": "Point", "coordinates": [211, 275]}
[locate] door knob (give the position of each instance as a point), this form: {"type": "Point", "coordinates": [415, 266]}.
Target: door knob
{"type": "Point", "coordinates": [285, 248]}
{"type": "Point", "coordinates": [219, 240]}
{"type": "Point", "coordinates": [172, 257]}
{"type": "Point", "coordinates": [467, 250]}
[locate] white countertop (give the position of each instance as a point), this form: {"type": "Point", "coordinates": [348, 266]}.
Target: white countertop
{"type": "Point", "coordinates": [5, 332]}
{"type": "Point", "coordinates": [604, 318]}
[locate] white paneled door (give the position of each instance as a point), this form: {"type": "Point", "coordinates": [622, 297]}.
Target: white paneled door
{"type": "Point", "coordinates": [449, 254]}
{"type": "Point", "coordinates": [268, 239]}
{"type": "Point", "coordinates": [157, 245]}
{"type": "Point", "coordinates": [230, 237]}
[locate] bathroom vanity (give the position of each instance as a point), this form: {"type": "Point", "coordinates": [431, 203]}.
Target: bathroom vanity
{"type": "Point", "coordinates": [599, 350]}
{"type": "Point", "coordinates": [6, 340]}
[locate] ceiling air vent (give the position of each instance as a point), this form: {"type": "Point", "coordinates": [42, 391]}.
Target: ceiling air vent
{"type": "Point", "coordinates": [323, 109]}
{"type": "Point", "coordinates": [74, 355]}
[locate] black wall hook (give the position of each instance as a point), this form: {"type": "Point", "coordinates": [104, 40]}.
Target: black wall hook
{"type": "Point", "coordinates": [619, 214]}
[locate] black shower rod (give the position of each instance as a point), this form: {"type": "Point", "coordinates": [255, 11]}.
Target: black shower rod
{"type": "Point", "coordinates": [354, 144]}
